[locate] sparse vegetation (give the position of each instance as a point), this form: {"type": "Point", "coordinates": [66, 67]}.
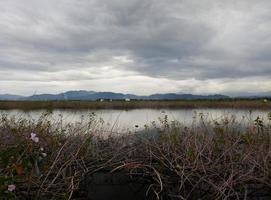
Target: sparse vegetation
{"type": "Point", "coordinates": [221, 159]}
{"type": "Point", "coordinates": [134, 104]}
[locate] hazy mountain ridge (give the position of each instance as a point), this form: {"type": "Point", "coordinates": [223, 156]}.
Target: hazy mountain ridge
{"type": "Point", "coordinates": [172, 96]}
{"type": "Point", "coordinates": [10, 97]}
{"type": "Point", "coordinates": [253, 95]}
{"type": "Point", "coordinates": [92, 96]}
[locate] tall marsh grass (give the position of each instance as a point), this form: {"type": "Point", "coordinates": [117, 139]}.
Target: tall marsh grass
{"type": "Point", "coordinates": [211, 159]}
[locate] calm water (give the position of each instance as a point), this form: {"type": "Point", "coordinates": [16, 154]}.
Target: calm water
{"type": "Point", "coordinates": [128, 119]}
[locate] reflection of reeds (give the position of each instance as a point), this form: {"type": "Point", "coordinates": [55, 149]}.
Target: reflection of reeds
{"type": "Point", "coordinates": [209, 160]}
{"type": "Point", "coordinates": [227, 103]}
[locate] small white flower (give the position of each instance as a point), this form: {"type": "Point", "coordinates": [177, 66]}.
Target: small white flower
{"type": "Point", "coordinates": [41, 149]}
{"type": "Point", "coordinates": [34, 137]}
{"type": "Point", "coordinates": [44, 154]}
{"type": "Point", "coordinates": [11, 188]}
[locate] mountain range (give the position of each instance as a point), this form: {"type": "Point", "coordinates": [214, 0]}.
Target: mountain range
{"type": "Point", "coordinates": [92, 96]}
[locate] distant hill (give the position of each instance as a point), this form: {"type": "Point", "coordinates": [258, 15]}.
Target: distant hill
{"type": "Point", "coordinates": [10, 97]}
{"type": "Point", "coordinates": [40, 97]}
{"type": "Point", "coordinates": [78, 95]}
{"type": "Point", "coordinates": [251, 95]}
{"type": "Point", "coordinates": [172, 96]}
{"type": "Point", "coordinates": [92, 96]}
{"type": "Point", "coordinates": [70, 95]}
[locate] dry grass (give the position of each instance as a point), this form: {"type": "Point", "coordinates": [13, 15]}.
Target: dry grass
{"type": "Point", "coordinates": [209, 160]}
{"type": "Point", "coordinates": [227, 103]}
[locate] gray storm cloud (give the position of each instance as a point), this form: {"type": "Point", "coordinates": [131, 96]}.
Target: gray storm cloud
{"type": "Point", "coordinates": [76, 44]}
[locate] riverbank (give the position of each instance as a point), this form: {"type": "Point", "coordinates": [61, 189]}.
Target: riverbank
{"type": "Point", "coordinates": [209, 160]}
{"type": "Point", "coordinates": [135, 104]}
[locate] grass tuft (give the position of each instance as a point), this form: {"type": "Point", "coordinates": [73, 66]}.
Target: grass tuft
{"type": "Point", "coordinates": [223, 159]}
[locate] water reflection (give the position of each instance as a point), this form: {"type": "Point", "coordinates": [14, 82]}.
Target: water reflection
{"type": "Point", "coordinates": [137, 118]}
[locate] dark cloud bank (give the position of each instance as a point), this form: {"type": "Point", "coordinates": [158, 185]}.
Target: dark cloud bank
{"type": "Point", "coordinates": [135, 46]}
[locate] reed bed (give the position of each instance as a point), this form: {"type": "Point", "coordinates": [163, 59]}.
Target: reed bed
{"type": "Point", "coordinates": [135, 104]}
{"type": "Point", "coordinates": [210, 159]}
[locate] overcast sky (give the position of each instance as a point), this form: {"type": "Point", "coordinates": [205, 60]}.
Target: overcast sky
{"type": "Point", "coordinates": [135, 46]}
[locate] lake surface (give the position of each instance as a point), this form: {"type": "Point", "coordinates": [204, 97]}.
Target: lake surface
{"type": "Point", "coordinates": [129, 119]}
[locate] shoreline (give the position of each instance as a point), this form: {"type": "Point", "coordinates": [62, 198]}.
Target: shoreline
{"type": "Point", "coordinates": [137, 104]}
